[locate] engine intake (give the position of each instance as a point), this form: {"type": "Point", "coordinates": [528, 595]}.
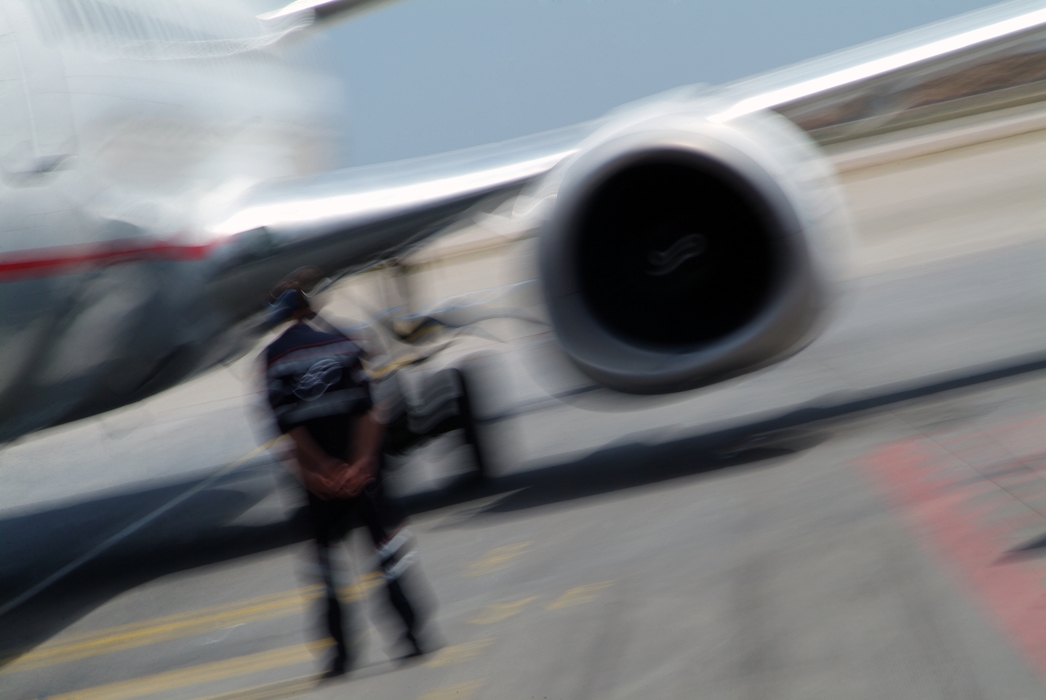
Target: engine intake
{"type": "Point", "coordinates": [674, 251]}
{"type": "Point", "coordinates": [681, 252]}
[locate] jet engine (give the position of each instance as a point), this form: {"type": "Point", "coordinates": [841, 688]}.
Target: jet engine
{"type": "Point", "coordinates": [682, 249]}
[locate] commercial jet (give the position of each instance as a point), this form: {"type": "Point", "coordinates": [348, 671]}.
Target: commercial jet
{"type": "Point", "coordinates": [164, 163]}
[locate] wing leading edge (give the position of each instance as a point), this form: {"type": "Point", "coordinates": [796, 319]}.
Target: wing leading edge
{"type": "Point", "coordinates": [980, 61]}
{"type": "Point", "coordinates": [347, 219]}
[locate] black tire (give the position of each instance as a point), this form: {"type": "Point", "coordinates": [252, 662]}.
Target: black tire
{"type": "Point", "coordinates": [470, 425]}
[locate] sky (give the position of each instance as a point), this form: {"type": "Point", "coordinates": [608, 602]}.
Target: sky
{"type": "Point", "coordinates": [427, 76]}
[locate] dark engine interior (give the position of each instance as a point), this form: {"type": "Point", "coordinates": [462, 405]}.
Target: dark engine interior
{"type": "Point", "coordinates": [675, 251]}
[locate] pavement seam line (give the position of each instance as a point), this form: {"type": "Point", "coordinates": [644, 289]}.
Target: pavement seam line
{"type": "Point", "coordinates": [497, 558]}
{"type": "Point", "coordinates": [271, 691]}
{"type": "Point", "coordinates": [579, 595]}
{"type": "Point", "coordinates": [202, 673]}
{"type": "Point", "coordinates": [458, 691]}
{"type": "Point", "coordinates": [459, 653]}
{"type": "Point", "coordinates": [497, 612]}
{"type": "Point", "coordinates": [183, 624]}
{"type": "Point", "coordinates": [160, 630]}
{"type": "Point", "coordinates": [306, 592]}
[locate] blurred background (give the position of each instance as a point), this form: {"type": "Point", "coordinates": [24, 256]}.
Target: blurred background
{"type": "Point", "coordinates": [865, 519]}
{"type": "Point", "coordinates": [416, 85]}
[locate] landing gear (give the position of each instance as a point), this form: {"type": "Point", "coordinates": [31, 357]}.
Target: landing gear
{"type": "Point", "coordinates": [446, 403]}
{"type": "Point", "coordinates": [469, 423]}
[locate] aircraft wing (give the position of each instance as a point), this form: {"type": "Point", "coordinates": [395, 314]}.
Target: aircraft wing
{"type": "Point", "coordinates": [684, 239]}
{"type": "Point", "coordinates": [358, 215]}
{"type": "Point", "coordinates": [318, 10]}
{"type": "Point", "coordinates": [614, 174]}
{"type": "Point", "coordinates": [977, 62]}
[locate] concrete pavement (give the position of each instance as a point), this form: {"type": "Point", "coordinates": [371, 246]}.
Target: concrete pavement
{"type": "Point", "coordinates": [862, 520]}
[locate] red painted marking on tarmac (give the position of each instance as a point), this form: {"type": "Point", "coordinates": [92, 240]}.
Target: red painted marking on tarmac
{"type": "Point", "coordinates": [46, 262]}
{"type": "Point", "coordinates": [960, 514]}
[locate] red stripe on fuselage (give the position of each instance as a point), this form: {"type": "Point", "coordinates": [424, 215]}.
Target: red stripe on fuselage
{"type": "Point", "coordinates": [46, 262]}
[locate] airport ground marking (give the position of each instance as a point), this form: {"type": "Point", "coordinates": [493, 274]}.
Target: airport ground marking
{"type": "Point", "coordinates": [497, 559]}
{"type": "Point", "coordinates": [272, 691]}
{"type": "Point", "coordinates": [458, 691]}
{"type": "Point", "coordinates": [967, 517]}
{"type": "Point", "coordinates": [165, 628]}
{"type": "Point", "coordinates": [202, 673]}
{"type": "Point", "coordinates": [496, 612]}
{"type": "Point", "coordinates": [185, 624]}
{"type": "Point", "coordinates": [579, 595]}
{"type": "Point", "coordinates": [361, 588]}
{"type": "Point", "coordinates": [459, 653]}
{"type": "Point", "coordinates": [134, 527]}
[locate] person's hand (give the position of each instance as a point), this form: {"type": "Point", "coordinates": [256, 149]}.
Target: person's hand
{"type": "Point", "coordinates": [326, 481]}
{"type": "Point", "coordinates": [317, 484]}
{"type": "Point", "coordinates": [358, 475]}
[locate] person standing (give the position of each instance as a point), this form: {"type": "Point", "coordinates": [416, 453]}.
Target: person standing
{"type": "Point", "coordinates": [320, 397]}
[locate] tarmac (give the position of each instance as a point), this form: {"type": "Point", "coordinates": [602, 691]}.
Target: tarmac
{"type": "Point", "coordinates": [866, 519]}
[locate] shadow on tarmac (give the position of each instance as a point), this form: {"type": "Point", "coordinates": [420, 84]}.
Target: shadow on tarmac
{"type": "Point", "coordinates": [199, 532]}
{"type": "Point", "coordinates": [202, 530]}
{"type": "Point", "coordinates": [630, 466]}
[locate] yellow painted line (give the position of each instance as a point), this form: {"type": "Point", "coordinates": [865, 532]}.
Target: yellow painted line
{"type": "Point", "coordinates": [458, 691]}
{"type": "Point", "coordinates": [579, 595]}
{"type": "Point", "coordinates": [361, 588]}
{"type": "Point", "coordinates": [134, 527]}
{"type": "Point", "coordinates": [459, 653]}
{"type": "Point", "coordinates": [500, 611]}
{"type": "Point", "coordinates": [203, 673]}
{"type": "Point", "coordinates": [497, 559]}
{"type": "Point", "coordinates": [210, 619]}
{"type": "Point", "coordinates": [272, 691]}
{"type": "Point", "coordinates": [166, 628]}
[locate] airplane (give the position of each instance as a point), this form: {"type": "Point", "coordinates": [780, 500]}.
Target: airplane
{"type": "Point", "coordinates": [164, 164]}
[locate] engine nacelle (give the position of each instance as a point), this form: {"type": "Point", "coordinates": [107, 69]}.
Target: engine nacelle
{"type": "Point", "coordinates": [681, 250]}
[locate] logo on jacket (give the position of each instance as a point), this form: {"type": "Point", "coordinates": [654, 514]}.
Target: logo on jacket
{"type": "Point", "coordinates": [321, 376]}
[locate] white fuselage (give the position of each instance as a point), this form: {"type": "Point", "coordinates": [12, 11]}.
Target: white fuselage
{"type": "Point", "coordinates": [125, 128]}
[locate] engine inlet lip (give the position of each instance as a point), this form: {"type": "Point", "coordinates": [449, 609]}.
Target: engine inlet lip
{"type": "Point", "coordinates": [770, 232]}
{"type": "Point", "coordinates": [639, 368]}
